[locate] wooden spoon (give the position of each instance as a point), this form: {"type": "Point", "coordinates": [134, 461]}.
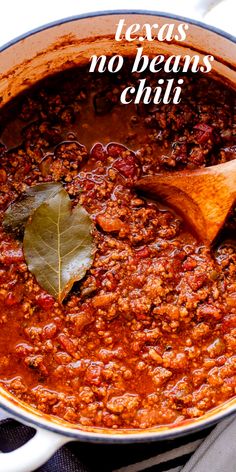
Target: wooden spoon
{"type": "Point", "coordinates": [204, 197]}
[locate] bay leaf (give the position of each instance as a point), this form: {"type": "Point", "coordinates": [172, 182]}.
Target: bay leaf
{"type": "Point", "coordinates": [17, 214]}
{"type": "Point", "coordinates": [58, 245]}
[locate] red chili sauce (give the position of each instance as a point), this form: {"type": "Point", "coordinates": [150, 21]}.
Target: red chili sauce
{"type": "Point", "coordinates": [148, 337]}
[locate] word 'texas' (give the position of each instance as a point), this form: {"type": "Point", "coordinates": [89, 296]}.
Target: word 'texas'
{"type": "Point", "coordinates": [166, 32]}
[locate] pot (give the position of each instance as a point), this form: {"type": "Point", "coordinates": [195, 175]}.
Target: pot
{"type": "Point", "coordinates": [56, 47]}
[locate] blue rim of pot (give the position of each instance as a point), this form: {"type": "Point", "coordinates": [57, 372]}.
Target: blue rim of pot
{"type": "Point", "coordinates": [82, 16]}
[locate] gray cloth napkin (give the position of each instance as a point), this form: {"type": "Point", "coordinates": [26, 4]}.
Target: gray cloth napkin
{"type": "Point", "coordinates": [218, 452]}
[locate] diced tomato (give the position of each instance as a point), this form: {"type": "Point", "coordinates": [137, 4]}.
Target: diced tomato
{"type": "Point", "coordinates": [45, 301]}
{"type": "Point", "coordinates": [98, 152]}
{"type": "Point", "coordinates": [204, 132]}
{"type": "Point", "coordinates": [127, 166]}
{"type": "Point", "coordinates": [115, 149]}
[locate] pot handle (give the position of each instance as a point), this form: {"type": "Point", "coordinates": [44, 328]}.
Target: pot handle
{"type": "Point", "coordinates": [191, 8]}
{"type": "Point", "coordinates": [34, 453]}
{"type": "Point", "coordinates": [202, 7]}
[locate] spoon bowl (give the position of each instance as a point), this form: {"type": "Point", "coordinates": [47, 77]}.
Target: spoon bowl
{"type": "Point", "coordinates": [203, 197]}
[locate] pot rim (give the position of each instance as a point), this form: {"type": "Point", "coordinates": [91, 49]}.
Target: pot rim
{"type": "Point", "coordinates": [95, 14]}
{"type": "Point", "coordinates": [19, 411]}
{"type": "Point", "coordinates": [10, 404]}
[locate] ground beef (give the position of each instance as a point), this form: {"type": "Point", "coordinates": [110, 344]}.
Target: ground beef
{"type": "Point", "coordinates": [148, 337]}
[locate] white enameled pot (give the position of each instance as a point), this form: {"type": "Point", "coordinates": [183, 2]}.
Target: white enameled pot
{"type": "Point", "coordinates": [45, 51]}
